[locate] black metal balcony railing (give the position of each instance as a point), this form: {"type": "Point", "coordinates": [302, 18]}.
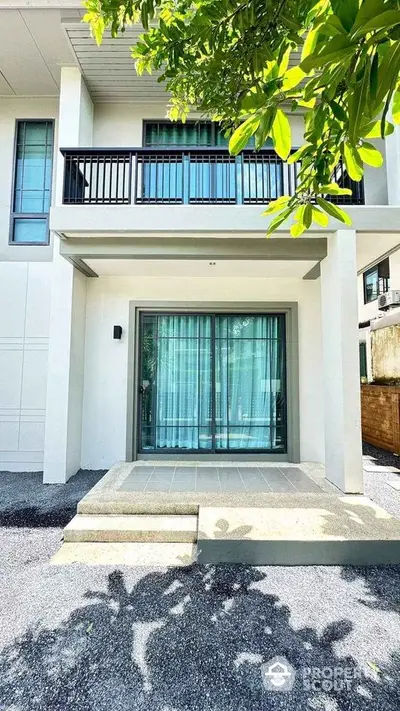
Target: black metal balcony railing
{"type": "Point", "coordinates": [114, 176]}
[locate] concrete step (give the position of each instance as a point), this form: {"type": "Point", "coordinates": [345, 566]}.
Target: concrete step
{"type": "Point", "coordinates": [163, 555]}
{"type": "Point", "coordinates": [118, 529]}
{"type": "Point", "coordinates": [346, 530]}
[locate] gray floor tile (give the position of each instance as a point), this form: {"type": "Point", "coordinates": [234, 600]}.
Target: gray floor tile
{"type": "Point", "coordinates": [184, 471]}
{"type": "Point", "coordinates": [162, 476]}
{"type": "Point", "coordinates": [270, 472]}
{"type": "Point", "coordinates": [254, 485]}
{"type": "Point", "coordinates": [228, 470]}
{"type": "Point", "coordinates": [208, 486]}
{"type": "Point", "coordinates": [184, 476]}
{"type": "Point", "coordinates": [158, 486]}
{"type": "Point", "coordinates": [182, 486]}
{"type": "Point", "coordinates": [133, 486]}
{"type": "Point", "coordinates": [206, 477]}
{"type": "Point", "coordinates": [138, 477]}
{"type": "Point", "coordinates": [141, 469]}
{"type": "Point", "coordinates": [232, 485]}
{"type": "Point", "coordinates": [283, 487]}
{"type": "Point", "coordinates": [248, 471]}
{"type": "Point", "coordinates": [309, 487]}
{"type": "Point", "coordinates": [207, 470]}
{"type": "Point", "coordinates": [164, 470]}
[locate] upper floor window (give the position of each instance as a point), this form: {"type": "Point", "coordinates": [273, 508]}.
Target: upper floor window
{"type": "Point", "coordinates": [32, 182]}
{"type": "Point", "coordinates": [192, 133]}
{"type": "Point", "coordinates": [376, 281]}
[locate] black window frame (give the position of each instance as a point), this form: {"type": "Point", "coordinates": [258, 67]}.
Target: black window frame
{"type": "Point", "coordinates": [29, 215]}
{"type": "Point", "coordinates": [382, 270]}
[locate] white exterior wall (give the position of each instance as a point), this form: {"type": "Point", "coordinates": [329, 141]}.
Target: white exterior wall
{"type": "Point", "coordinates": [24, 331]}
{"type": "Point", "coordinates": [106, 360]}
{"type": "Point", "coordinates": [10, 111]}
{"type": "Point", "coordinates": [25, 277]}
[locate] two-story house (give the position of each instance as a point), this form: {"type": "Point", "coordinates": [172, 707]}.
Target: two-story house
{"type": "Point", "coordinates": [143, 311]}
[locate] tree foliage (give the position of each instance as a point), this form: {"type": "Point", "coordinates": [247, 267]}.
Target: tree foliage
{"type": "Point", "coordinates": [250, 64]}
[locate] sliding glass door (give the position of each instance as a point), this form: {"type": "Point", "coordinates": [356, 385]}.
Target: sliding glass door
{"type": "Point", "coordinates": [212, 383]}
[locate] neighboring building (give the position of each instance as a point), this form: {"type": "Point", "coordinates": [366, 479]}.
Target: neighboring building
{"type": "Point", "coordinates": [143, 313]}
{"type": "Point", "coordinates": [379, 317]}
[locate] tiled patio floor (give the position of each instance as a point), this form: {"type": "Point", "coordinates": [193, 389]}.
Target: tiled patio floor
{"type": "Point", "coordinates": [249, 479]}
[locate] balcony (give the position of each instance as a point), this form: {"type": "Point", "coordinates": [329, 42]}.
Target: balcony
{"type": "Point", "coordinates": [184, 176]}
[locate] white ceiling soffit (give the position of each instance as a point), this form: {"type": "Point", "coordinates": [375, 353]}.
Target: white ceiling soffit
{"type": "Point", "coordinates": [109, 70]}
{"type": "Point", "coordinates": [246, 269]}
{"type": "Point", "coordinates": [33, 47]}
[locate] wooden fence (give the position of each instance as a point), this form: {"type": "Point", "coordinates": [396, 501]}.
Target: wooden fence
{"type": "Point", "coordinates": [380, 416]}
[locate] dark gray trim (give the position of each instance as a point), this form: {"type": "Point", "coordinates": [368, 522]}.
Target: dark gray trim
{"type": "Point", "coordinates": [251, 457]}
{"type": "Point", "coordinates": [32, 216]}
{"type": "Point", "coordinates": [208, 248]}
{"type": "Point", "coordinates": [314, 273]}
{"type": "Point", "coordinates": [82, 267]}
{"type": "Point", "coordinates": [290, 309]}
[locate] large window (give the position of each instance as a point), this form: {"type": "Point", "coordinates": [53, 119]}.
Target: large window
{"type": "Point", "coordinates": [204, 176]}
{"type": "Point", "coordinates": [32, 182]}
{"type": "Point", "coordinates": [376, 281]}
{"type": "Point", "coordinates": [212, 383]}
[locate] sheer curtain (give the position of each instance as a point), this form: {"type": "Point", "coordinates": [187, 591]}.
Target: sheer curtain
{"type": "Point", "coordinates": [249, 377]}
{"type": "Point", "coordinates": [183, 387]}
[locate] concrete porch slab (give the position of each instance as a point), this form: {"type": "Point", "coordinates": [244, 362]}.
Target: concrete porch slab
{"type": "Point", "coordinates": [125, 488]}
{"type": "Point", "coordinates": [300, 530]}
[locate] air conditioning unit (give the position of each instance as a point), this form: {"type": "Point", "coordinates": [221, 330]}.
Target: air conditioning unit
{"type": "Point", "coordinates": [389, 300]}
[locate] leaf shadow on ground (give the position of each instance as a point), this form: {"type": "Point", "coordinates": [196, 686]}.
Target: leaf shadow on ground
{"type": "Point", "coordinates": [186, 639]}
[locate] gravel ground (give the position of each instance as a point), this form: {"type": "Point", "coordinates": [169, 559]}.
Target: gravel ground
{"type": "Point", "coordinates": [375, 482]}
{"type": "Point", "coordinates": [79, 638]}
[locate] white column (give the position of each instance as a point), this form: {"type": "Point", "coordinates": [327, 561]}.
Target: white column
{"type": "Point", "coordinates": [343, 452]}
{"type": "Point", "coordinates": [62, 454]}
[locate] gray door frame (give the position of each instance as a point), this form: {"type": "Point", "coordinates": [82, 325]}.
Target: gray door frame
{"type": "Point", "coordinates": [290, 309]}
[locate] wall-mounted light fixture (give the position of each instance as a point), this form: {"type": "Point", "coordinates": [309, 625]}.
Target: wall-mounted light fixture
{"type": "Point", "coordinates": [117, 332]}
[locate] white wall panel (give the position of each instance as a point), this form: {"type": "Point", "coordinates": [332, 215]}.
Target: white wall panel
{"type": "Point", "coordinates": [24, 322]}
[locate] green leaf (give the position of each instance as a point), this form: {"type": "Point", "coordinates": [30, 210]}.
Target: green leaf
{"type": "Point", "coordinates": [358, 101]}
{"type": "Point", "coordinates": [278, 220]}
{"type": "Point", "coordinates": [353, 163]}
{"type": "Point", "coordinates": [319, 217]}
{"type": "Point", "coordinates": [292, 78]}
{"type": "Point", "coordinates": [276, 205]}
{"type": "Point", "coordinates": [370, 155]}
{"type": "Point", "coordinates": [333, 52]}
{"type": "Point", "coordinates": [297, 155]}
{"type": "Point", "coordinates": [388, 71]}
{"type": "Point", "coordinates": [334, 189]}
{"type": "Point", "coordinates": [242, 135]}
{"type": "Point", "coordinates": [373, 129]}
{"type": "Point", "coordinates": [297, 229]}
{"type": "Point", "coordinates": [346, 10]}
{"type": "Point", "coordinates": [281, 134]}
{"type": "Point", "coordinates": [396, 107]}
{"type": "Point", "coordinates": [385, 20]}
{"type": "Point", "coordinates": [310, 44]}
{"type": "Point", "coordinates": [334, 211]}
{"type": "Point", "coordinates": [264, 128]}
{"type": "Point", "coordinates": [368, 9]}
{"type": "Point", "coordinates": [307, 217]}
{"type": "Point", "coordinates": [338, 111]}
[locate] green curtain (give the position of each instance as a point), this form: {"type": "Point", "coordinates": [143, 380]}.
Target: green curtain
{"type": "Point", "coordinates": [249, 381]}
{"type": "Point", "coordinates": [183, 401]}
